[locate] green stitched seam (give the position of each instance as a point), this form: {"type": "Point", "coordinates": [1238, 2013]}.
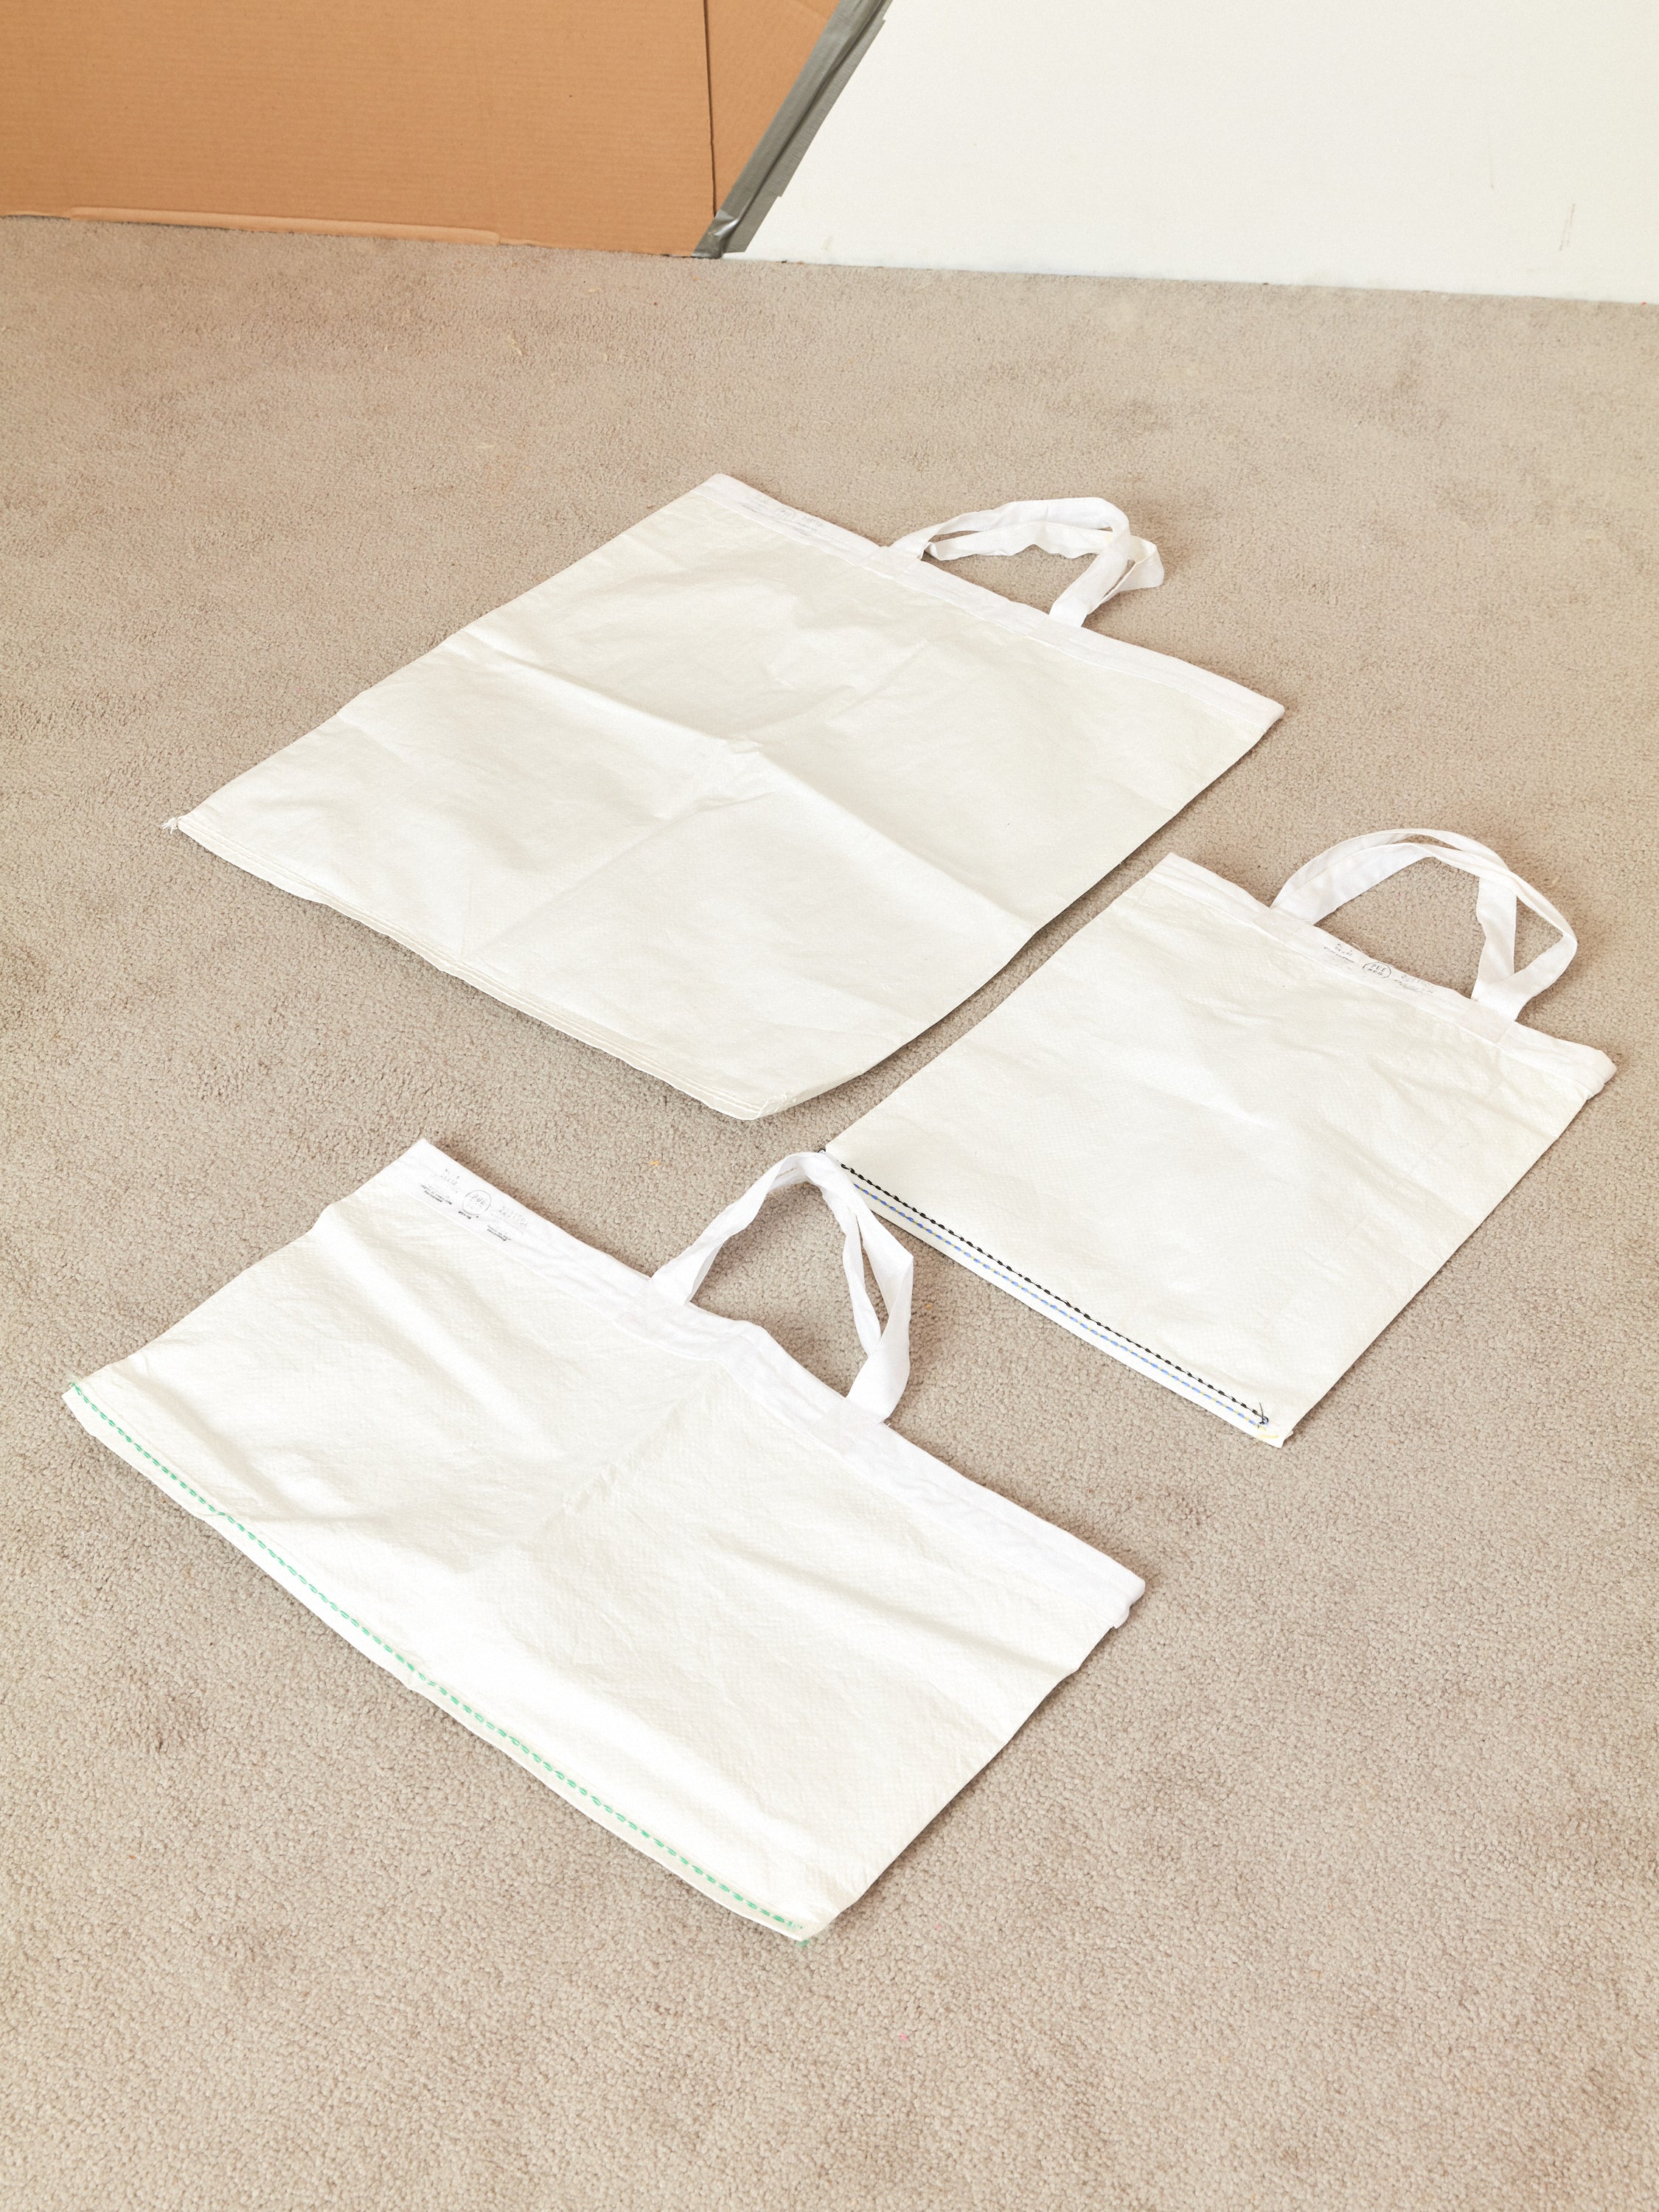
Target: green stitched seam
{"type": "Point", "coordinates": [438, 1688]}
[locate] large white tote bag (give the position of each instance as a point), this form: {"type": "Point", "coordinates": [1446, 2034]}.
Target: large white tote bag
{"type": "Point", "coordinates": [724, 1611]}
{"type": "Point", "coordinates": [742, 798]}
{"type": "Point", "coordinates": [1216, 1141]}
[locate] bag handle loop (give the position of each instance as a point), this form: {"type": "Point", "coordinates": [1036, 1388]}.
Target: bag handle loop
{"type": "Point", "coordinates": [1122, 562]}
{"type": "Point", "coordinates": [1336, 876]}
{"type": "Point", "coordinates": [879, 1383]}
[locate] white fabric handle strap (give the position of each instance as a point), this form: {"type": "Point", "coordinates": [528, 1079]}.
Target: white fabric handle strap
{"type": "Point", "coordinates": [1347, 869]}
{"type": "Point", "coordinates": [1122, 562]}
{"type": "Point", "coordinates": [879, 1383]}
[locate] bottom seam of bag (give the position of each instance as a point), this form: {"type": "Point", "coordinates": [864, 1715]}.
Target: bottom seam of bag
{"type": "Point", "coordinates": [438, 1689]}
{"type": "Point", "coordinates": [1178, 1377]}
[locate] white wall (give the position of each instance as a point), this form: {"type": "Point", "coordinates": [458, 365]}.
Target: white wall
{"type": "Point", "coordinates": [1441, 145]}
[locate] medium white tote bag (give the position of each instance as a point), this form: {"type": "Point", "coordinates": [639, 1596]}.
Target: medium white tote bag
{"type": "Point", "coordinates": [742, 798]}
{"type": "Point", "coordinates": [1214, 1141]}
{"type": "Point", "coordinates": [724, 1611]}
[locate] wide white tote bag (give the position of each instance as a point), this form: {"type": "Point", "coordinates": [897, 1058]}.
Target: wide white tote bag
{"type": "Point", "coordinates": [1216, 1141]}
{"type": "Point", "coordinates": [723, 1611]}
{"type": "Point", "coordinates": [743, 798]}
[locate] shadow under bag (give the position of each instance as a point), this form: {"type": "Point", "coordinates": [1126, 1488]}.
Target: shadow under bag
{"type": "Point", "coordinates": [742, 798]}
{"type": "Point", "coordinates": [723, 1611]}
{"type": "Point", "coordinates": [1221, 1144]}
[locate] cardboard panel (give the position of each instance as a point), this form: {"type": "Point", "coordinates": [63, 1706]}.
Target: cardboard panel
{"type": "Point", "coordinates": [559, 122]}
{"type": "Point", "coordinates": [599, 117]}
{"type": "Point", "coordinates": [755, 52]}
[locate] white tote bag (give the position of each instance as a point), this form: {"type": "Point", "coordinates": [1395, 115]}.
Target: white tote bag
{"type": "Point", "coordinates": [724, 1611]}
{"type": "Point", "coordinates": [1216, 1141]}
{"type": "Point", "coordinates": [742, 798]}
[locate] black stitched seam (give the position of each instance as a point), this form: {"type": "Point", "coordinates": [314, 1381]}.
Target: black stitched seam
{"type": "Point", "coordinates": [1257, 1415]}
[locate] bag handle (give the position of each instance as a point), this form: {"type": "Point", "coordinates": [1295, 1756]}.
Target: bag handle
{"type": "Point", "coordinates": [1359, 863]}
{"type": "Point", "coordinates": [1072, 527]}
{"type": "Point", "coordinates": [879, 1383]}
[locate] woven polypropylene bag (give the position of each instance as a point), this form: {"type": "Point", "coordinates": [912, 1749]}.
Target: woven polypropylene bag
{"type": "Point", "coordinates": [1217, 1142]}
{"type": "Point", "coordinates": [742, 798]}
{"type": "Point", "coordinates": [723, 1611]}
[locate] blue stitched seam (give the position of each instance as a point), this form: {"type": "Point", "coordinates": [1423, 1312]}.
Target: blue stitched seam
{"type": "Point", "coordinates": [985, 1264]}
{"type": "Point", "coordinates": [460, 1703]}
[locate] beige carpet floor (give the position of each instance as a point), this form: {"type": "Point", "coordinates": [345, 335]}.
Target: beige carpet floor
{"type": "Point", "coordinates": [1327, 1881]}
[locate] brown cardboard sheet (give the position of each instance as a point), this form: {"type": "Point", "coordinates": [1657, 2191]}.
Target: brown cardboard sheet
{"type": "Point", "coordinates": [556, 122]}
{"type": "Point", "coordinates": [756, 49]}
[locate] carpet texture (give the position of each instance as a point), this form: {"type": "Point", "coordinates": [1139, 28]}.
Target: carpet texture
{"type": "Point", "coordinates": [1327, 1881]}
